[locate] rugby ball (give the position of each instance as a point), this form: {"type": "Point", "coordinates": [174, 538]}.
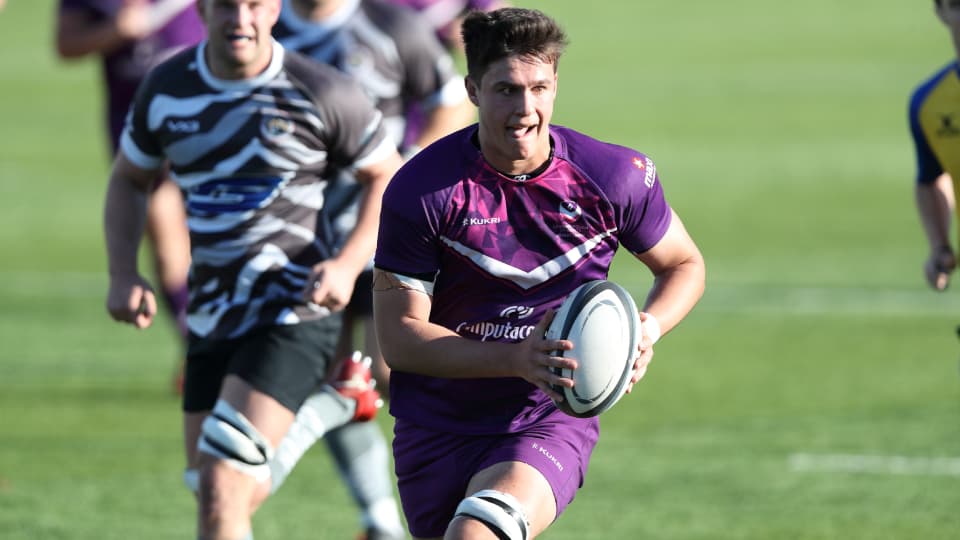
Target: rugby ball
{"type": "Point", "coordinates": [601, 319]}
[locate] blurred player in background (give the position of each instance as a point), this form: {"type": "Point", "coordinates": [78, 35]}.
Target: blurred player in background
{"type": "Point", "coordinates": [935, 126]}
{"type": "Point", "coordinates": [394, 56]}
{"type": "Point", "coordinates": [251, 132]}
{"type": "Point", "coordinates": [502, 218]}
{"type": "Point", "coordinates": [131, 37]}
{"type": "Point", "coordinates": [445, 16]}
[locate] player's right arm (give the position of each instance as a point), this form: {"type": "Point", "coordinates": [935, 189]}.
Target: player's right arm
{"type": "Point", "coordinates": [130, 298]}
{"type": "Point", "coordinates": [935, 206]}
{"type": "Point", "coordinates": [411, 343]}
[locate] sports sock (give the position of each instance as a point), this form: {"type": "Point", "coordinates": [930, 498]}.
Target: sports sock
{"type": "Point", "coordinates": [361, 454]}
{"type": "Point", "coordinates": [324, 410]}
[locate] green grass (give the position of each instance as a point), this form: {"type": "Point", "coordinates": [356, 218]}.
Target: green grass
{"type": "Point", "coordinates": [780, 134]}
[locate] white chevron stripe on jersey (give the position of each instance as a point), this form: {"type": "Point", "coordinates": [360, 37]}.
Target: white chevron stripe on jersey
{"type": "Point", "coordinates": [301, 153]}
{"type": "Point", "coordinates": [310, 196]}
{"type": "Point", "coordinates": [523, 278]}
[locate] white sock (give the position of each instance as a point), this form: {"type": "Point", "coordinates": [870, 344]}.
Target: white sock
{"type": "Point", "coordinates": [363, 461]}
{"type": "Point", "coordinates": [323, 411]}
{"type": "Point", "coordinates": [385, 516]}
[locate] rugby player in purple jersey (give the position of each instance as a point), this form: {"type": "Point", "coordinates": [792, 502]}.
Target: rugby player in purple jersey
{"type": "Point", "coordinates": [131, 37]}
{"type": "Point", "coordinates": [251, 133]}
{"type": "Point", "coordinates": [482, 236]}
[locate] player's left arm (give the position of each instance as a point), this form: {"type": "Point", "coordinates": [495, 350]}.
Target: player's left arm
{"type": "Point", "coordinates": [334, 278]}
{"type": "Point", "coordinates": [679, 275]}
{"type": "Point", "coordinates": [359, 247]}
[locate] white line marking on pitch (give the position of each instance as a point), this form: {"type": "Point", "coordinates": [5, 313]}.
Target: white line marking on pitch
{"type": "Point", "coordinates": [857, 463]}
{"type": "Point", "coordinates": [873, 301]}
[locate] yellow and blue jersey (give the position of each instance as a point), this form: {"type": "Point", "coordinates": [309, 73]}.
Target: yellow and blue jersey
{"type": "Point", "coordinates": [935, 124]}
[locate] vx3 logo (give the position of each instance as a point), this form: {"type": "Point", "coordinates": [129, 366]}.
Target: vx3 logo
{"type": "Point", "coordinates": [183, 126]}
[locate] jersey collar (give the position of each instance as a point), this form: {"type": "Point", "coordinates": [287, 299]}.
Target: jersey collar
{"type": "Point", "coordinates": [273, 69]}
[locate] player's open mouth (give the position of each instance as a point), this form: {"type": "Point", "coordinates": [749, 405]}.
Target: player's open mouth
{"type": "Point", "coordinates": [238, 38]}
{"type": "Point", "coordinates": [520, 132]}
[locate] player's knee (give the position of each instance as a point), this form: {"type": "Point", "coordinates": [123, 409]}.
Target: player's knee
{"type": "Point", "coordinates": [228, 436]}
{"type": "Point", "coordinates": [500, 512]}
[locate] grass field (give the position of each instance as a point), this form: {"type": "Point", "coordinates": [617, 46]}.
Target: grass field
{"type": "Point", "coordinates": [813, 394]}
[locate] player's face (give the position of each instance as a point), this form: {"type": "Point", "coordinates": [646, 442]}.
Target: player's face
{"type": "Point", "coordinates": [239, 45]}
{"type": "Point", "coordinates": [515, 99]}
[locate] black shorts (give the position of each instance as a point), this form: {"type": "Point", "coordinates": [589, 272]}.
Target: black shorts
{"type": "Point", "coordinates": [286, 362]}
{"type": "Point", "coordinates": [361, 303]}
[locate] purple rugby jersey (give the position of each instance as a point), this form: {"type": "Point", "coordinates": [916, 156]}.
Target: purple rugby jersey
{"type": "Point", "coordinates": [124, 68]}
{"type": "Point", "coordinates": [510, 250]}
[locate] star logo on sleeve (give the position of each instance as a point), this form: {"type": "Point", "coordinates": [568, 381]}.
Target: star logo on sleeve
{"type": "Point", "coordinates": [638, 163]}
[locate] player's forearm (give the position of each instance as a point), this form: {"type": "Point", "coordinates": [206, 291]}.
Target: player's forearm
{"type": "Point", "coordinates": [676, 291]}
{"type": "Point", "coordinates": [428, 349]}
{"type": "Point", "coordinates": [360, 245]}
{"type": "Point", "coordinates": [679, 275]}
{"type": "Point", "coordinates": [935, 206]}
{"type": "Point", "coordinates": [123, 218]}
{"type": "Point", "coordinates": [362, 241]}
{"type": "Point", "coordinates": [411, 343]}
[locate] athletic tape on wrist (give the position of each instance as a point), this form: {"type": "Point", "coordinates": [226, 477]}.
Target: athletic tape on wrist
{"type": "Point", "coordinates": [651, 327]}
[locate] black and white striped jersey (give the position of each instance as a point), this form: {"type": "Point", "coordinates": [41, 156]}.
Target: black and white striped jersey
{"type": "Point", "coordinates": [252, 158]}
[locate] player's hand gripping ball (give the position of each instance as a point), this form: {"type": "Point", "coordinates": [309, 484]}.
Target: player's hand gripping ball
{"type": "Point", "coordinates": [601, 319]}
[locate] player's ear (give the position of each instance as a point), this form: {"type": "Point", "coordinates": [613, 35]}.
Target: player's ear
{"type": "Point", "coordinates": [472, 90]}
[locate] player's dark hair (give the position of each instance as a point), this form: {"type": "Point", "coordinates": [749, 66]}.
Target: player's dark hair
{"type": "Point", "coordinates": [494, 35]}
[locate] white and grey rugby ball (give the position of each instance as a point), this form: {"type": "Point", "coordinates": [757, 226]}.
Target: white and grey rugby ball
{"type": "Point", "coordinates": [601, 319]}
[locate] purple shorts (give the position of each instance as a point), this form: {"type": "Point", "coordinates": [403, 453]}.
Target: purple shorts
{"type": "Point", "coordinates": [434, 468]}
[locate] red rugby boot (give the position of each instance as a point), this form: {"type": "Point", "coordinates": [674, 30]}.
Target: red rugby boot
{"type": "Point", "coordinates": [353, 379]}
